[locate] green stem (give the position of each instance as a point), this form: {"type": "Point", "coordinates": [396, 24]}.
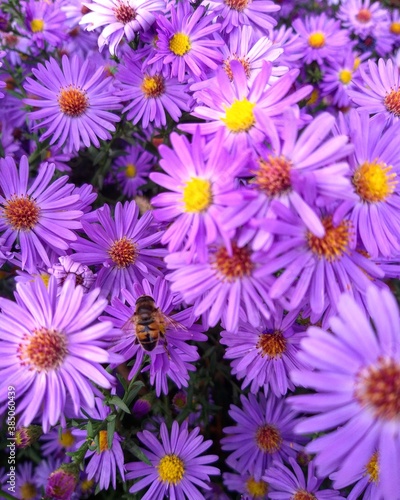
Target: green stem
{"type": "Point", "coordinates": [4, 494]}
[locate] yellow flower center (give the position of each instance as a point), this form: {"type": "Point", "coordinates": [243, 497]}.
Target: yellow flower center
{"type": "Point", "coordinates": [197, 195]}
{"type": "Point", "coordinates": [395, 28]}
{"type": "Point", "coordinates": [345, 76]}
{"type": "Point", "coordinates": [373, 181]}
{"type": "Point", "coordinates": [66, 439]}
{"type": "Point", "coordinates": [45, 278]}
{"type": "Point", "coordinates": [335, 242]}
{"type": "Point", "coordinates": [87, 485]}
{"type": "Point", "coordinates": [103, 443]}
{"type": "Point", "coordinates": [180, 44]}
{"type": "Point", "coordinates": [130, 170]}
{"type": "Point", "coordinates": [316, 40]}
{"type": "Point", "coordinates": [153, 86]}
{"type": "Point", "coordinates": [37, 25]}
{"type": "Point", "coordinates": [171, 469]}
{"type": "Point", "coordinates": [257, 489]}
{"type": "Point", "coordinates": [313, 97]}
{"type": "Point", "coordinates": [28, 491]}
{"type": "Point", "coordinates": [372, 468]}
{"type": "Point", "coordinates": [239, 117]}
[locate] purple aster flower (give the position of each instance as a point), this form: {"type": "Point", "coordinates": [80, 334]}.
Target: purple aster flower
{"type": "Point", "coordinates": [264, 355]}
{"type": "Point", "coordinates": [379, 91]}
{"type": "Point", "coordinates": [233, 106]}
{"type": "Point", "coordinates": [62, 482]}
{"type": "Point", "coordinates": [368, 483]}
{"type": "Point", "coordinates": [37, 217]}
{"type": "Point", "coordinates": [61, 440]}
{"type": "Point", "coordinates": [75, 103]}
{"type": "Point", "coordinates": [263, 432]}
{"type": "Point", "coordinates": [310, 265]}
{"type": "Point", "coordinates": [58, 157]}
{"type": "Point", "coordinates": [362, 17]}
{"type": "Point", "coordinates": [68, 269]}
{"type": "Point", "coordinates": [120, 18]}
{"type": "Point", "coordinates": [247, 486]}
{"type": "Point", "coordinates": [44, 23]}
{"type": "Point", "coordinates": [285, 483]}
{"type": "Point", "coordinates": [44, 469]}
{"type": "Point", "coordinates": [202, 184]}
{"type": "Point", "coordinates": [132, 170]}
{"type": "Point", "coordinates": [51, 347]}
{"type": "Point", "coordinates": [177, 468]}
{"type": "Point", "coordinates": [320, 38]}
{"type": "Point", "coordinates": [299, 171]}
{"type": "Point", "coordinates": [150, 95]}
{"type": "Point", "coordinates": [184, 42]}
{"type": "Point", "coordinates": [172, 357]}
{"type": "Point", "coordinates": [375, 169]}
{"type": "Point", "coordinates": [356, 376]}
{"type": "Point", "coordinates": [122, 245]}
{"type": "Point", "coordinates": [25, 487]}
{"type": "Point", "coordinates": [105, 459]}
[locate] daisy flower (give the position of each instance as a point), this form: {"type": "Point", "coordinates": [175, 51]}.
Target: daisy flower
{"type": "Point", "coordinates": [38, 217]}
{"type": "Point", "coordinates": [59, 441]}
{"type": "Point", "coordinates": [184, 42]}
{"type": "Point", "coordinates": [264, 431]}
{"type": "Point", "coordinates": [149, 95]}
{"type": "Point", "coordinates": [120, 18]}
{"type": "Point", "coordinates": [246, 485]}
{"type": "Point", "coordinates": [44, 23]}
{"type": "Point", "coordinates": [76, 101]}
{"type": "Point", "coordinates": [362, 17]}
{"type": "Point", "coordinates": [52, 346]}
{"type": "Point", "coordinates": [122, 246]}
{"type": "Point", "coordinates": [25, 483]}
{"type": "Point", "coordinates": [320, 38]}
{"type": "Point", "coordinates": [132, 169]}
{"type": "Point", "coordinates": [356, 379]}
{"type": "Point", "coordinates": [378, 92]}
{"type": "Point", "coordinates": [177, 468]}
{"type": "Point", "coordinates": [172, 358]}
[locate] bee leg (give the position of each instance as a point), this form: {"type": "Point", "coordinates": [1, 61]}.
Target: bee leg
{"type": "Point", "coordinates": [166, 347]}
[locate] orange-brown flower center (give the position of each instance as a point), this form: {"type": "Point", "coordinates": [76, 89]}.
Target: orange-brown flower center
{"type": "Point", "coordinates": [392, 102]}
{"type": "Point", "coordinates": [153, 86]}
{"type": "Point", "coordinates": [244, 61]}
{"type": "Point", "coordinates": [73, 101]}
{"type": "Point", "coordinates": [378, 388]}
{"type": "Point", "coordinates": [124, 13]}
{"type": "Point", "coordinates": [273, 175]}
{"type": "Point", "coordinates": [238, 5]}
{"type": "Point", "coordinates": [123, 252]}
{"type": "Point", "coordinates": [334, 244]}
{"type": "Point", "coordinates": [272, 344]}
{"type": "Point", "coordinates": [234, 266]}
{"type": "Point", "coordinates": [22, 213]}
{"type": "Point", "coordinates": [268, 438]}
{"type": "Point", "coordinates": [372, 468]}
{"type": "Point", "coordinates": [364, 15]}
{"type": "Point", "coordinates": [303, 495]}
{"type": "Point", "coordinates": [44, 349]}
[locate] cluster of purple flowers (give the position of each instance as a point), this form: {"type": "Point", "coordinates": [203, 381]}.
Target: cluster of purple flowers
{"type": "Point", "coordinates": [180, 179]}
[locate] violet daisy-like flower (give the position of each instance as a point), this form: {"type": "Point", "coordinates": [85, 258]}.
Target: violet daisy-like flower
{"type": "Point", "coordinates": [379, 91]}
{"type": "Point", "coordinates": [375, 169]}
{"type": "Point", "coordinates": [264, 355]}
{"type": "Point", "coordinates": [38, 217]}
{"type": "Point", "coordinates": [44, 23]}
{"type": "Point", "coordinates": [122, 246]}
{"type": "Point", "coordinates": [233, 106]}
{"type": "Point", "coordinates": [284, 483]}
{"type": "Point", "coordinates": [362, 17]}
{"type": "Point", "coordinates": [74, 103]}
{"type": "Point", "coordinates": [61, 440]}
{"type": "Point", "coordinates": [264, 432]}
{"type": "Point", "coordinates": [356, 376]}
{"type": "Point", "coordinates": [149, 95]}
{"type": "Point", "coordinates": [246, 485]}
{"type": "Point", "coordinates": [52, 347]}
{"type": "Point", "coordinates": [132, 170]}
{"type": "Point", "coordinates": [320, 38]}
{"type": "Point", "coordinates": [184, 42]}
{"type": "Point", "coordinates": [201, 184]}
{"type": "Point", "coordinates": [178, 466]}
{"type": "Point", "coordinates": [25, 483]}
{"type": "Point", "coordinates": [120, 18]}
{"type": "Point", "coordinates": [172, 357]}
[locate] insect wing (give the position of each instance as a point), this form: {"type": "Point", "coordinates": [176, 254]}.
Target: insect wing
{"type": "Point", "coordinates": [129, 326]}
{"type": "Point", "coordinates": [172, 324]}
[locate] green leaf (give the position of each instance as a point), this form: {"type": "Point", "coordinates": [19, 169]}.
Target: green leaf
{"type": "Point", "coordinates": [110, 433]}
{"type": "Point", "coordinates": [137, 452]}
{"type": "Point", "coordinates": [115, 400]}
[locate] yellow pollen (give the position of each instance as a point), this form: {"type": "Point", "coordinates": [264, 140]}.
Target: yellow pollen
{"type": "Point", "coordinates": [272, 344]}
{"type": "Point", "coordinates": [66, 439]}
{"type": "Point", "coordinates": [244, 61]}
{"type": "Point", "coordinates": [378, 389]}
{"type": "Point", "coordinates": [334, 244]}
{"type": "Point", "coordinates": [21, 213]}
{"type": "Point", "coordinates": [313, 97]}
{"type": "Point", "coordinates": [37, 25]}
{"type": "Point", "coordinates": [239, 117]}
{"type": "Point", "coordinates": [303, 495]}
{"type": "Point", "coordinates": [373, 182]}
{"type": "Point", "coordinates": [124, 13]}
{"type": "Point", "coordinates": [44, 349]}
{"type": "Point", "coordinates": [357, 62]}
{"type": "Point", "coordinates": [392, 102]}
{"type": "Point", "coordinates": [232, 267]}
{"type": "Point", "coordinates": [45, 279]}
{"type": "Point", "coordinates": [238, 5]}
{"type": "Point", "coordinates": [103, 444]}
{"type": "Point", "coordinates": [363, 16]}
{"type": "Point", "coordinates": [153, 86]}
{"type": "Point", "coordinates": [268, 438]}
{"type": "Point", "coordinates": [123, 252]}
{"type": "Point", "coordinates": [180, 44]}
{"type": "Point", "coordinates": [171, 469]}
{"type": "Point", "coordinates": [372, 468]}
{"type": "Point", "coordinates": [257, 489]}
{"type": "Point", "coordinates": [273, 175]}
{"type": "Point", "coordinates": [130, 171]}
{"type": "Point", "coordinates": [345, 76]}
{"type": "Point", "coordinates": [28, 491]}
{"type": "Point", "coordinates": [87, 484]}
{"type": "Point", "coordinates": [197, 195]}
{"type": "Point", "coordinates": [316, 40]}
{"type": "Point", "coordinates": [73, 101]}
{"type": "Point", "coordinates": [395, 28]}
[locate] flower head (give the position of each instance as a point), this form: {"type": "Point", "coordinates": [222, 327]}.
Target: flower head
{"type": "Point", "coordinates": [132, 170]}
{"type": "Point", "coordinates": [44, 22]}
